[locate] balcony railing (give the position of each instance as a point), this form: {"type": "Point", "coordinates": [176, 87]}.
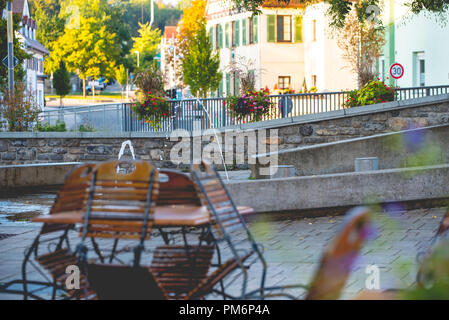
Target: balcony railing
{"type": "Point", "coordinates": [201, 114]}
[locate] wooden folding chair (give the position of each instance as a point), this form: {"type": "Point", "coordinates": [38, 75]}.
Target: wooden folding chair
{"type": "Point", "coordinates": [226, 220]}
{"type": "Point", "coordinates": [72, 196]}
{"type": "Point", "coordinates": [174, 272]}
{"type": "Point", "coordinates": [120, 205]}
{"type": "Point", "coordinates": [176, 188]}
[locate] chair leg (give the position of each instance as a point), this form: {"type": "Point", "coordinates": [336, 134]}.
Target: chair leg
{"type": "Point", "coordinates": [24, 263]}
{"type": "Point", "coordinates": [114, 247]}
{"type": "Point", "coordinates": [53, 294]}
{"type": "Point", "coordinates": [97, 249]}
{"type": "Point", "coordinates": [221, 281]}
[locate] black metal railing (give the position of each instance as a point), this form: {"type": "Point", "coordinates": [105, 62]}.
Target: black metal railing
{"type": "Point", "coordinates": [209, 113]}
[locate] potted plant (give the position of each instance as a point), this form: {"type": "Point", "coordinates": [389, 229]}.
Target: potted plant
{"type": "Point", "coordinates": [152, 108]}
{"type": "Point", "coordinates": [373, 92]}
{"type": "Point", "coordinates": [252, 106]}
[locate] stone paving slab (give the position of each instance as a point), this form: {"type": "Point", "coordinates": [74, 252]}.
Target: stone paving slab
{"type": "Point", "coordinates": [293, 248]}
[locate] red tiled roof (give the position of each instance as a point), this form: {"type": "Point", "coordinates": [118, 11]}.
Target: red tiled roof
{"type": "Point", "coordinates": [280, 4]}
{"type": "Point", "coordinates": [17, 6]}
{"type": "Point", "coordinates": [170, 32]}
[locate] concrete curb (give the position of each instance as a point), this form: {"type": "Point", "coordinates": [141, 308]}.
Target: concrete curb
{"type": "Point", "coordinates": [342, 189]}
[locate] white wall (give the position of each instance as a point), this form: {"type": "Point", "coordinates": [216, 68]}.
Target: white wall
{"type": "Point", "coordinates": [421, 33]}
{"type": "Point", "coordinates": [280, 58]}
{"type": "Point", "coordinates": [323, 57]}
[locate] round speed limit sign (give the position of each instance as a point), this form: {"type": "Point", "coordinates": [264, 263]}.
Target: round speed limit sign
{"type": "Point", "coordinates": [396, 70]}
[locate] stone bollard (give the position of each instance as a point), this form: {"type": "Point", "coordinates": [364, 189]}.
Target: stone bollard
{"type": "Point", "coordinates": [283, 171]}
{"type": "Point", "coordinates": [366, 164]}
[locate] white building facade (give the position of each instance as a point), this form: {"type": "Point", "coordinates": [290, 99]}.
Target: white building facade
{"type": "Point", "coordinates": [419, 42]}
{"type": "Point", "coordinates": [33, 66]}
{"type": "Point", "coordinates": [288, 46]}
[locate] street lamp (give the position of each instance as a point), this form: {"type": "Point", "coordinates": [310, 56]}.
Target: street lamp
{"type": "Point", "coordinates": [138, 57]}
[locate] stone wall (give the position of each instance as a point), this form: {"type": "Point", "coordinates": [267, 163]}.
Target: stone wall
{"type": "Point", "coordinates": [56, 149]}
{"type": "Point", "coordinates": [364, 125]}
{"type": "Point", "coordinates": [21, 148]}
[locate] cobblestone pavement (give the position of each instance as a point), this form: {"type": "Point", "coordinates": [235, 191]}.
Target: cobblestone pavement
{"type": "Point", "coordinates": [293, 246]}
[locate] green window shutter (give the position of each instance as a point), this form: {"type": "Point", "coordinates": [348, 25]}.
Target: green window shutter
{"type": "Point", "coordinates": [237, 33]}
{"type": "Point", "coordinates": [236, 85]}
{"type": "Point", "coordinates": [227, 35]}
{"type": "Point", "coordinates": [211, 36]}
{"type": "Point", "coordinates": [220, 35]}
{"type": "Point", "coordinates": [256, 36]}
{"type": "Point", "coordinates": [271, 28]}
{"type": "Point", "coordinates": [228, 84]}
{"type": "Point", "coordinates": [220, 88]}
{"type": "Point", "coordinates": [298, 29]}
{"type": "Point", "coordinates": [244, 32]}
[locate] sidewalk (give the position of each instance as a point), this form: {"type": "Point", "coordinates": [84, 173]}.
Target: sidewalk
{"type": "Point", "coordinates": [293, 246]}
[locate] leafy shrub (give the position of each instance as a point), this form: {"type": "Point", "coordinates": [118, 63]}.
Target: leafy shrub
{"type": "Point", "coordinates": [46, 127]}
{"type": "Point", "coordinates": [86, 128]}
{"type": "Point", "coordinates": [373, 92]}
{"type": "Point", "coordinates": [19, 108]}
{"type": "Point", "coordinates": [149, 80]}
{"type": "Point", "coordinates": [254, 104]}
{"type": "Point", "coordinates": [153, 109]}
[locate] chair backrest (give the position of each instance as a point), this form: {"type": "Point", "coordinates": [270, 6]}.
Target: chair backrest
{"type": "Point", "coordinates": [215, 196]}
{"type": "Point", "coordinates": [121, 204]}
{"type": "Point", "coordinates": [74, 193]}
{"type": "Point", "coordinates": [176, 188]}
{"type": "Point", "coordinates": [72, 196]}
{"type": "Point", "coordinates": [227, 219]}
{"type": "Point", "coordinates": [339, 258]}
{"type": "Point", "coordinates": [179, 269]}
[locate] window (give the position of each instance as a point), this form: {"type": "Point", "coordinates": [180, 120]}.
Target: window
{"type": "Point", "coordinates": [419, 72]}
{"type": "Point", "coordinates": [284, 82]}
{"type": "Point", "coordinates": [279, 28]}
{"type": "Point", "coordinates": [313, 30]}
{"type": "Point", "coordinates": [284, 28]}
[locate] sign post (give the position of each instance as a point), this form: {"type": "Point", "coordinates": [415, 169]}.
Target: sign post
{"type": "Point", "coordinates": [396, 72]}
{"type": "Point", "coordinates": [10, 47]}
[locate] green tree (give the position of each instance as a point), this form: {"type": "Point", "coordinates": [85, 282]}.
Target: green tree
{"type": "Point", "coordinates": [121, 76]}
{"type": "Point", "coordinates": [89, 51]}
{"type": "Point", "coordinates": [146, 44]}
{"type": "Point", "coordinates": [19, 52]}
{"type": "Point", "coordinates": [61, 81]}
{"type": "Point", "coordinates": [200, 65]}
{"type": "Point", "coordinates": [51, 24]}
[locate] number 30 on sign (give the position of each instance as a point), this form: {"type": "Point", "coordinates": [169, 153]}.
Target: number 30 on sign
{"type": "Point", "coordinates": [396, 70]}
